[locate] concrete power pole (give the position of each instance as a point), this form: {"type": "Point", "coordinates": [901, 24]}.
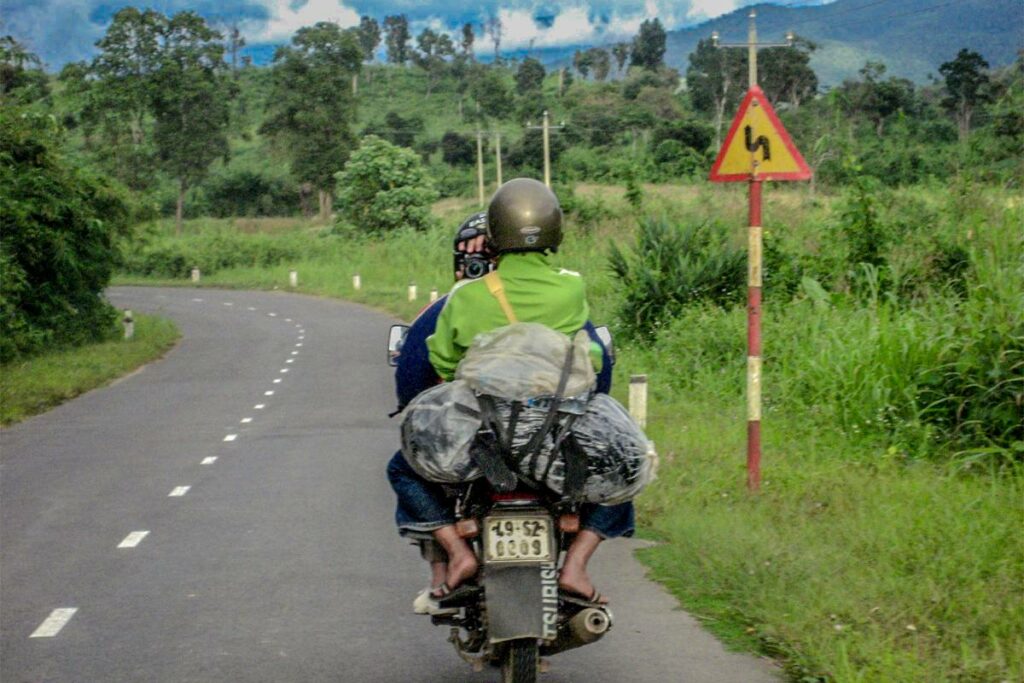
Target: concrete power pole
{"type": "Point", "coordinates": [480, 165]}
{"type": "Point", "coordinates": [546, 129]}
{"type": "Point", "coordinates": [497, 155]}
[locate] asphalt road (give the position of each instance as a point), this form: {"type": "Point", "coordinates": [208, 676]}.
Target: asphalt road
{"type": "Point", "coordinates": [279, 561]}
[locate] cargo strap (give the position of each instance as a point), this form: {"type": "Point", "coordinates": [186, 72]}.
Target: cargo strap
{"type": "Point", "coordinates": [497, 290]}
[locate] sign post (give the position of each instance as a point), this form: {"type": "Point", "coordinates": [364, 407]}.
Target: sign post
{"type": "Point", "coordinates": [756, 149]}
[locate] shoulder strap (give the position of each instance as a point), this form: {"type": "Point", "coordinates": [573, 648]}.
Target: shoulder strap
{"type": "Point", "coordinates": [497, 290]}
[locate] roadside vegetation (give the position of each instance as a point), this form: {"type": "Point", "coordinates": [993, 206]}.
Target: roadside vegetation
{"type": "Point", "coordinates": [36, 384]}
{"type": "Point", "coordinates": [885, 544]}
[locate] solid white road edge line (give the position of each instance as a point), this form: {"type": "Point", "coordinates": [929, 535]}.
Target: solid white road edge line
{"type": "Point", "coordinates": [133, 539]}
{"type": "Point", "coordinates": [54, 623]}
{"type": "Point", "coordinates": [178, 491]}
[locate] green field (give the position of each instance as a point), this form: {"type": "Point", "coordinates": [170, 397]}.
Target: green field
{"type": "Point", "coordinates": [885, 544]}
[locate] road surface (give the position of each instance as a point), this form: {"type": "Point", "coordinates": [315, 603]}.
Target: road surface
{"type": "Point", "coordinates": [223, 515]}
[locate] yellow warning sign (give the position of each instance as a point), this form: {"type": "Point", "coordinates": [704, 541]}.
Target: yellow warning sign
{"type": "Point", "coordinates": [757, 146]}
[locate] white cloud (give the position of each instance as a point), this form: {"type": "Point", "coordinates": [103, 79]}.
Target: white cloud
{"type": "Point", "coordinates": [285, 20]}
{"type": "Point", "coordinates": [709, 9]}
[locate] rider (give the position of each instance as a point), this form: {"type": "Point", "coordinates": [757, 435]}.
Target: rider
{"type": "Point", "coordinates": [524, 223]}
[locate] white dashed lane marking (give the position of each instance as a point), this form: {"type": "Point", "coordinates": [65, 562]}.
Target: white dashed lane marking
{"type": "Point", "coordinates": [287, 320]}
{"type": "Point", "coordinates": [198, 301]}
{"type": "Point", "coordinates": [277, 381]}
{"type": "Point", "coordinates": [246, 420]}
{"type": "Point", "coordinates": [295, 353]}
{"type": "Point", "coordinates": [290, 360]}
{"type": "Point", "coordinates": [298, 344]}
{"type": "Point", "coordinates": [259, 406]}
{"type": "Point", "coordinates": [229, 303]}
{"type": "Point", "coordinates": [57, 620]}
{"type": "Point", "coordinates": [268, 393]}
{"type": "Point", "coordinates": [251, 308]}
{"type": "Point", "coordinates": [178, 491]}
{"type": "Point", "coordinates": [133, 539]}
{"type": "Point", "coordinates": [209, 460]}
{"type": "Point", "coordinates": [231, 437]}
{"type": "Point", "coordinates": [283, 370]}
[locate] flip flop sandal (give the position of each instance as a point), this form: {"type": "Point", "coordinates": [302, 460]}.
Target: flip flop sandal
{"type": "Point", "coordinates": [576, 598]}
{"type": "Point", "coordinates": [425, 603]}
{"type": "Point", "coordinates": [459, 596]}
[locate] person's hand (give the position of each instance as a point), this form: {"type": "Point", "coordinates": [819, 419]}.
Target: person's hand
{"type": "Point", "coordinates": [471, 245]}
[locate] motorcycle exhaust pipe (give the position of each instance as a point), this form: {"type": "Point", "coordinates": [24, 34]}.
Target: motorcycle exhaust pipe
{"type": "Point", "coordinates": [587, 626]}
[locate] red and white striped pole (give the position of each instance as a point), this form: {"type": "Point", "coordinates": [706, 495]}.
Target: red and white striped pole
{"type": "Point", "coordinates": [754, 282]}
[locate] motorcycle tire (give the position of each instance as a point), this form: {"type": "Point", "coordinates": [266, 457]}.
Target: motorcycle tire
{"type": "Point", "coordinates": [520, 662]}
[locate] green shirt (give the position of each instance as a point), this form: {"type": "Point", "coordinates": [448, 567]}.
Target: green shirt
{"type": "Point", "coordinates": [537, 292]}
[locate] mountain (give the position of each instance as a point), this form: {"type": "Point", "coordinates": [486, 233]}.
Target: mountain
{"type": "Point", "coordinates": [911, 37]}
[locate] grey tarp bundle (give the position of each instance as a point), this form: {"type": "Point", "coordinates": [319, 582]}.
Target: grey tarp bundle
{"type": "Point", "coordinates": [522, 363]}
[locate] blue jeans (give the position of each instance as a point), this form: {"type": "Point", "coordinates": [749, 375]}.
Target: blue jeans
{"type": "Point", "coordinates": [424, 506]}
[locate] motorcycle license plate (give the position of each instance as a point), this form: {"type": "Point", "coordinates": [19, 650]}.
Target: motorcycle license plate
{"type": "Point", "coordinates": [518, 538]}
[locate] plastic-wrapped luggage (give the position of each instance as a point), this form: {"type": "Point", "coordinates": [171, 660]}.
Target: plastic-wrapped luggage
{"type": "Point", "coordinates": [521, 365]}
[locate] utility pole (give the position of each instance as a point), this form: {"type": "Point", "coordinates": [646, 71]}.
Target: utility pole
{"type": "Point", "coordinates": [546, 129]}
{"type": "Point", "coordinates": [497, 155]}
{"type": "Point", "coordinates": [754, 272]}
{"type": "Point", "coordinates": [480, 165]}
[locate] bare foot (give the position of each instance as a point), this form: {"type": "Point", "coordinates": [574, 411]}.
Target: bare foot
{"type": "Point", "coordinates": [576, 581]}
{"type": "Point", "coordinates": [460, 568]}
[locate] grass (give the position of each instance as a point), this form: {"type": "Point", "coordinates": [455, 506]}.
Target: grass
{"type": "Point", "coordinates": [35, 385]}
{"type": "Point", "coordinates": [858, 561]}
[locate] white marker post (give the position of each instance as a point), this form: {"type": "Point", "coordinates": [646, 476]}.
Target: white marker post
{"type": "Point", "coordinates": [195, 275]}
{"type": "Point", "coordinates": [412, 291]}
{"type": "Point", "coordinates": [638, 399]}
{"type": "Point", "coordinates": [357, 282]}
{"type": "Point", "coordinates": [433, 295]}
{"type": "Point", "coordinates": [129, 325]}
{"type": "Point", "coordinates": [293, 278]}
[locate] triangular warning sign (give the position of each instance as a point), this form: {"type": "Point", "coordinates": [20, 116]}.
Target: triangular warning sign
{"type": "Point", "coordinates": [757, 146]}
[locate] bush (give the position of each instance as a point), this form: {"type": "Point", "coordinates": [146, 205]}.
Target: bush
{"type": "Point", "coordinates": [457, 150]}
{"type": "Point", "coordinates": [672, 267]}
{"type": "Point", "coordinates": [384, 187]}
{"type": "Point", "coordinates": [245, 193]}
{"type": "Point", "coordinates": [58, 230]}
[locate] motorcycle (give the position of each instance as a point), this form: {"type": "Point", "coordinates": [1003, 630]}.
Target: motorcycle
{"type": "Point", "coordinates": [513, 614]}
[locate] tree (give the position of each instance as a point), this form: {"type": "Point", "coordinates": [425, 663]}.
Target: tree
{"type": "Point", "coordinates": [466, 43]}
{"type": "Point", "coordinates": [785, 72]}
{"type": "Point", "coordinates": [716, 79]}
{"type": "Point", "coordinates": [965, 87]}
{"type": "Point", "coordinates": [190, 110]}
{"type": "Point", "coordinates": [433, 48]}
{"type": "Point", "coordinates": [311, 108]}
{"type": "Point", "coordinates": [457, 150]}
{"type": "Point", "coordinates": [397, 129]}
{"type": "Point", "coordinates": [581, 61]}
{"type": "Point", "coordinates": [529, 76]}
{"type": "Point", "coordinates": [396, 28]}
{"type": "Point", "coordinates": [875, 99]}
{"type": "Point", "coordinates": [236, 41]}
{"type": "Point", "coordinates": [489, 90]}
{"type": "Point", "coordinates": [59, 229]}
{"type": "Point", "coordinates": [621, 53]}
{"type": "Point", "coordinates": [117, 87]}
{"type": "Point", "coordinates": [600, 62]}
{"type": "Point", "coordinates": [21, 75]}
{"type": "Point", "coordinates": [369, 37]}
{"type": "Point", "coordinates": [384, 187]}
{"type": "Point", "coordinates": [494, 29]}
{"type": "Point", "coordinates": [648, 50]}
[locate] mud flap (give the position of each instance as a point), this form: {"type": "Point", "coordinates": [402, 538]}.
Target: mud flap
{"type": "Point", "coordinates": [522, 601]}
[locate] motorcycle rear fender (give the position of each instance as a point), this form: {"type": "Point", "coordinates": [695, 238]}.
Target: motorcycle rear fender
{"type": "Point", "coordinates": [522, 601]}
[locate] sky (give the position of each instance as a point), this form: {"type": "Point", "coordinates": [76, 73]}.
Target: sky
{"type": "Point", "coordinates": [62, 31]}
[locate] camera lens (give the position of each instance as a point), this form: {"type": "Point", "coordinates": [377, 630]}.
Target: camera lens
{"type": "Point", "coordinates": [476, 267]}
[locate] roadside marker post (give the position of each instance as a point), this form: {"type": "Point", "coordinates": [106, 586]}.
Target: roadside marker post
{"type": "Point", "coordinates": [412, 291]}
{"type": "Point", "coordinates": [757, 149]}
{"type": "Point", "coordinates": [433, 295]}
{"type": "Point", "coordinates": [195, 275]}
{"type": "Point", "coordinates": [638, 399]}
{"type": "Point", "coordinates": [357, 282]}
{"type": "Point", "coordinates": [293, 278]}
{"type": "Point", "coordinates": [129, 325]}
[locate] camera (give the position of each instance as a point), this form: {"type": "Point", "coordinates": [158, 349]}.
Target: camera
{"type": "Point", "coordinates": [473, 265]}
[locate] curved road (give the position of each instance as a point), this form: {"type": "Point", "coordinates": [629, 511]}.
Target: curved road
{"type": "Point", "coordinates": [223, 515]}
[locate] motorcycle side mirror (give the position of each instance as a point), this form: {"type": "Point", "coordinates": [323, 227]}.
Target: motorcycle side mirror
{"type": "Point", "coordinates": [396, 337]}
{"type": "Point", "coordinates": [605, 335]}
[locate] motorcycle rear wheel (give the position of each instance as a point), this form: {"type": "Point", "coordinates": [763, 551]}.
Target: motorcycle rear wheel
{"type": "Point", "coordinates": [520, 661]}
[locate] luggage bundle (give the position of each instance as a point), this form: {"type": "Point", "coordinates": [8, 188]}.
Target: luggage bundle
{"type": "Point", "coordinates": [526, 391]}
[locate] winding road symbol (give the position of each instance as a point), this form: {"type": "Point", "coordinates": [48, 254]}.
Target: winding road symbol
{"type": "Point", "coordinates": [753, 145]}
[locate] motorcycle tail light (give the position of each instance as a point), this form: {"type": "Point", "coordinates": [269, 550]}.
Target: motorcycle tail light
{"type": "Point", "coordinates": [514, 495]}
{"type": "Point", "coordinates": [569, 523]}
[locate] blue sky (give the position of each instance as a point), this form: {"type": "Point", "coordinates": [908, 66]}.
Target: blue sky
{"type": "Point", "coordinates": [61, 31]}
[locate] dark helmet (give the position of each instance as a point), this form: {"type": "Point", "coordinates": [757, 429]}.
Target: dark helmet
{"type": "Point", "coordinates": [524, 215]}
